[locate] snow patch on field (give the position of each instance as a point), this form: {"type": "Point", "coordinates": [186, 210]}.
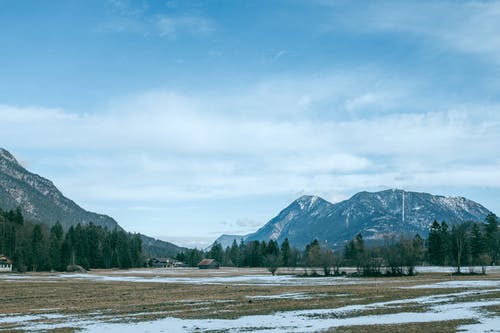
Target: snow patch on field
{"type": "Point", "coordinates": [451, 269]}
{"type": "Point", "coordinates": [442, 308]}
{"type": "Point", "coordinates": [459, 284]}
{"type": "Point", "coordinates": [281, 280]}
{"type": "Point", "coordinates": [491, 325]}
{"type": "Point", "coordinates": [288, 296]}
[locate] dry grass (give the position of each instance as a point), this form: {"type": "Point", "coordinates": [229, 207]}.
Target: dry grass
{"type": "Point", "coordinates": [134, 301]}
{"type": "Point", "coordinates": [184, 300]}
{"type": "Point", "coordinates": [434, 327]}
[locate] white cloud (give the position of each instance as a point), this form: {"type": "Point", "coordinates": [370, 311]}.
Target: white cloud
{"type": "Point", "coordinates": [133, 17]}
{"type": "Point", "coordinates": [168, 147]}
{"type": "Point", "coordinates": [171, 26]}
{"type": "Point", "coordinates": [470, 27]}
{"type": "Point", "coordinates": [162, 147]}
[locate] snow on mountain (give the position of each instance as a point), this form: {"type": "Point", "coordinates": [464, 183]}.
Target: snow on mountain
{"type": "Point", "coordinates": [374, 215]}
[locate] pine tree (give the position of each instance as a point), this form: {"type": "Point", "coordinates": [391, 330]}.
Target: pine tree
{"type": "Point", "coordinates": [438, 244]}
{"type": "Point", "coordinates": [234, 254]}
{"type": "Point", "coordinates": [285, 252]}
{"type": "Point", "coordinates": [254, 254]}
{"type": "Point", "coordinates": [355, 252]}
{"type": "Point", "coordinates": [55, 247]}
{"type": "Point", "coordinates": [272, 248]}
{"type": "Point", "coordinates": [216, 252]}
{"type": "Point", "coordinates": [493, 237]}
{"type": "Point", "coordinates": [478, 245]}
{"type": "Point", "coordinates": [38, 255]}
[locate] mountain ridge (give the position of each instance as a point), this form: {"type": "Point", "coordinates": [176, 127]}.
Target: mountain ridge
{"type": "Point", "coordinates": [42, 202]}
{"type": "Point", "coordinates": [373, 214]}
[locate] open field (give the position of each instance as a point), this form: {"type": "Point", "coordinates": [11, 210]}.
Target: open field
{"type": "Point", "coordinates": [249, 300]}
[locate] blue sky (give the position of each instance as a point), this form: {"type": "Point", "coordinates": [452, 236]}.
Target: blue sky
{"type": "Point", "coordinates": [185, 120]}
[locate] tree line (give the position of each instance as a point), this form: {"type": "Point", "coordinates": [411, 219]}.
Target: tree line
{"type": "Point", "coordinates": [465, 244]}
{"type": "Point", "coordinates": [36, 247]}
{"type": "Point", "coordinates": [249, 254]}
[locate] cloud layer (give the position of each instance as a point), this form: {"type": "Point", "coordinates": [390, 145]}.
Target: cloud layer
{"type": "Point", "coordinates": [173, 146]}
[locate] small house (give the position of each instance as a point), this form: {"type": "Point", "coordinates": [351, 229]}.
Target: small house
{"type": "Point", "coordinates": [180, 264]}
{"type": "Point", "coordinates": [5, 264]}
{"type": "Point", "coordinates": [208, 264]}
{"type": "Point", "coordinates": [163, 262]}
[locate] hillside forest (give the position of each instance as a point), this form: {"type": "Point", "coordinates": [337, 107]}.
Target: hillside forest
{"type": "Point", "coordinates": [36, 247]}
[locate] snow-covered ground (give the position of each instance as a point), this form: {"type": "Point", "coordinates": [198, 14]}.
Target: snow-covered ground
{"type": "Point", "coordinates": [450, 269]}
{"type": "Point", "coordinates": [281, 280]}
{"type": "Point", "coordinates": [459, 284]}
{"type": "Point", "coordinates": [441, 308]}
{"type": "Point", "coordinates": [233, 280]}
{"type": "Point", "coordinates": [288, 296]}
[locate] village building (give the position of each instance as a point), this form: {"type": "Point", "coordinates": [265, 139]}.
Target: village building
{"type": "Point", "coordinates": [164, 262]}
{"type": "Point", "coordinates": [208, 264]}
{"type": "Point", "coordinates": [5, 264]}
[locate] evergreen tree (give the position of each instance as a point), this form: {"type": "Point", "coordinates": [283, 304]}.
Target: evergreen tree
{"type": "Point", "coordinates": [55, 247]}
{"type": "Point", "coordinates": [478, 245]}
{"type": "Point", "coordinates": [355, 252]}
{"type": "Point", "coordinates": [438, 244]}
{"type": "Point", "coordinates": [285, 253]}
{"type": "Point", "coordinates": [434, 244]}
{"type": "Point", "coordinates": [33, 247]}
{"type": "Point", "coordinates": [493, 237]}
{"type": "Point", "coordinates": [216, 252]}
{"type": "Point", "coordinates": [254, 254]}
{"type": "Point", "coordinates": [234, 254]}
{"type": "Point", "coordinates": [38, 255]}
{"type": "Point", "coordinates": [272, 248]}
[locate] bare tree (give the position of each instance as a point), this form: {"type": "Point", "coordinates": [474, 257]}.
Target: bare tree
{"type": "Point", "coordinates": [272, 263]}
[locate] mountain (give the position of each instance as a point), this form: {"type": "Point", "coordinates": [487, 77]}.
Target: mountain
{"type": "Point", "coordinates": [374, 215]}
{"type": "Point", "coordinates": [227, 240]}
{"type": "Point", "coordinates": [41, 202]}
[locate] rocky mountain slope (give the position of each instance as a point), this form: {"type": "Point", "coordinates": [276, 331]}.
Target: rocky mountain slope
{"type": "Point", "coordinates": [41, 202]}
{"type": "Point", "coordinates": [374, 215]}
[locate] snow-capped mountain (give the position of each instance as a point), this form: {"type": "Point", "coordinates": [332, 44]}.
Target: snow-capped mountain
{"type": "Point", "coordinates": [41, 202]}
{"type": "Point", "coordinates": [374, 215]}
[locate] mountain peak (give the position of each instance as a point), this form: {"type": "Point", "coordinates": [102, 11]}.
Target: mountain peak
{"type": "Point", "coordinates": [6, 155]}
{"type": "Point", "coordinates": [373, 214]}
{"type": "Point", "coordinates": [308, 201]}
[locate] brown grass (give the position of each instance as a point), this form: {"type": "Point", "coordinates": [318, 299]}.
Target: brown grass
{"type": "Point", "coordinates": [125, 300]}
{"type": "Point", "coordinates": [434, 327]}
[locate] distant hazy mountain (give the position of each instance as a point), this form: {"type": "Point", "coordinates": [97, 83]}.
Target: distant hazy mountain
{"type": "Point", "coordinates": [41, 202]}
{"type": "Point", "coordinates": [374, 215]}
{"type": "Point", "coordinates": [227, 240]}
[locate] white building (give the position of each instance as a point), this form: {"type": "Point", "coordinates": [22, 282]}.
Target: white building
{"type": "Point", "coordinates": [5, 264]}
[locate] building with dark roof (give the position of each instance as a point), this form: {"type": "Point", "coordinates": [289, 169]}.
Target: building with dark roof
{"type": "Point", "coordinates": [208, 264]}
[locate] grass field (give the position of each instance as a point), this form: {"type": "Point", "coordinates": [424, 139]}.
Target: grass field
{"type": "Point", "coordinates": [234, 300]}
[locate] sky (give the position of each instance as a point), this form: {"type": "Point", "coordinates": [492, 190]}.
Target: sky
{"type": "Point", "coordinates": [184, 120]}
